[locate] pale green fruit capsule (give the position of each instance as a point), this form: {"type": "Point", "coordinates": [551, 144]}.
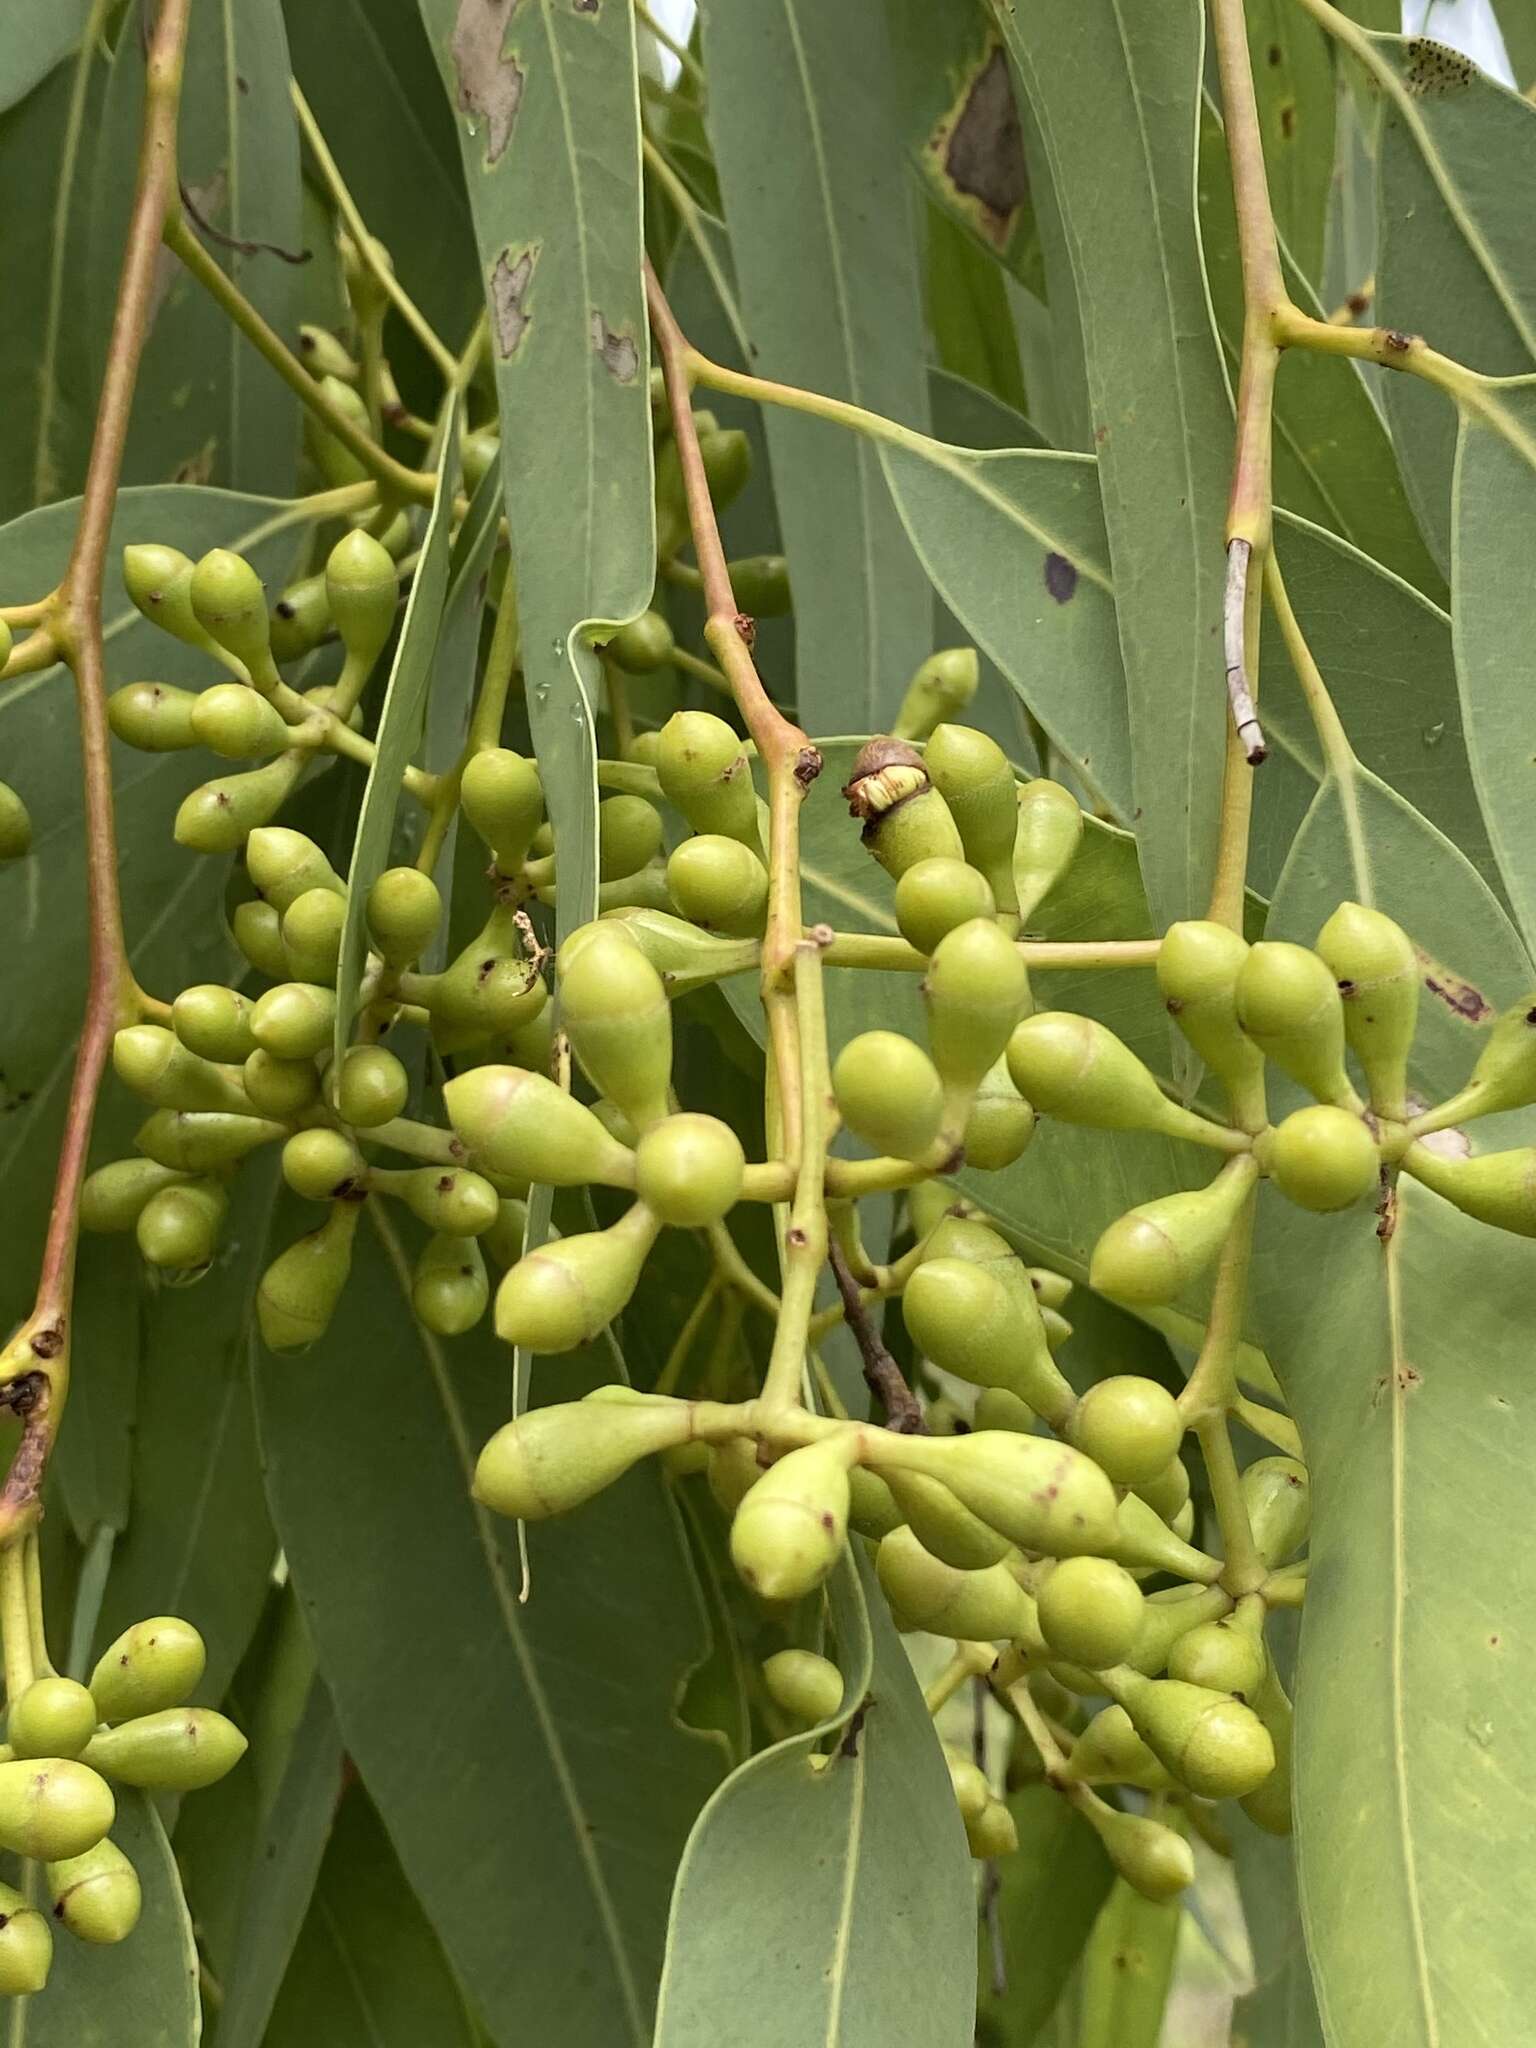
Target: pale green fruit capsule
{"type": "Point", "coordinates": [232, 720]}
{"type": "Point", "coordinates": [53, 1808]}
{"type": "Point", "coordinates": [1147, 1543]}
{"type": "Point", "coordinates": [1052, 1290]}
{"type": "Point", "coordinates": [904, 818]}
{"type": "Point", "coordinates": [331, 456]}
{"type": "Point", "coordinates": [614, 1008]}
{"type": "Point", "coordinates": [946, 1529]}
{"type": "Point", "coordinates": [804, 1685]}
{"type": "Point", "coordinates": [114, 1195]}
{"type": "Point", "coordinates": [230, 605]}
{"type": "Point", "coordinates": [688, 1169]}
{"type": "Point", "coordinates": [524, 1125]}
{"type": "Point", "coordinates": [178, 1229]}
{"type": "Point", "coordinates": [1278, 1496]}
{"type": "Point", "coordinates": [888, 1093]}
{"type": "Point", "coordinates": [727, 455]}
{"type": "Point", "coordinates": [295, 1020]}
{"type": "Point", "coordinates": [873, 1510]}
{"type": "Point", "coordinates": [154, 1063]}
{"type": "Point", "coordinates": [323, 355]}
{"type": "Point", "coordinates": [1050, 832]}
{"type": "Point", "coordinates": [15, 825]}
{"type": "Point", "coordinates": [973, 1795]}
{"type": "Point", "coordinates": [1090, 1609]}
{"type": "Point", "coordinates": [503, 799]}
{"type": "Point", "coordinates": [565, 1294]}
{"type": "Point", "coordinates": [761, 585]}
{"type": "Point", "coordinates": [405, 908]}
{"type": "Point", "coordinates": [216, 817]}
{"type": "Point", "coordinates": [645, 889]}
{"type": "Point", "coordinates": [1075, 1068]}
{"type": "Point", "coordinates": [96, 1895]}
{"type": "Point", "coordinates": [1152, 1253]}
{"type": "Point", "coordinates": [704, 771]}
{"type": "Point", "coordinates": [642, 646]}
{"type": "Point", "coordinates": [993, 1833]}
{"type": "Point", "coordinates": [53, 1717]}
{"type": "Point", "coordinates": [258, 932]}
{"type": "Point", "coordinates": [488, 989]}
{"type": "Point", "coordinates": [1110, 1752]}
{"type": "Point", "coordinates": [642, 749]}
{"type": "Point", "coordinates": [969, 1320]}
{"type": "Point", "coordinates": [1214, 1745]}
{"type": "Point", "coordinates": [362, 591]}
{"type": "Point", "coordinates": [214, 1022]}
{"type": "Point", "coordinates": [1152, 1858]}
{"type": "Point", "coordinates": [449, 1288]}
{"type": "Point", "coordinates": [935, 896]}
{"type": "Point", "coordinates": [179, 1749]}
{"type": "Point", "coordinates": [1043, 1496]}
{"type": "Point", "coordinates": [732, 1472]}
{"type": "Point", "coordinates": [300, 1290]}
{"type": "Point", "coordinates": [312, 929]}
{"type": "Point", "coordinates": [504, 1239]}
{"type": "Point", "coordinates": [1166, 1491]}
{"type": "Point", "coordinates": [1377, 971]}
{"type": "Point", "coordinates": [159, 580]}
{"type": "Point", "coordinates": [1321, 1157]}
{"type": "Point", "coordinates": [26, 1945]}
{"type": "Point", "coordinates": [944, 684]}
{"type": "Point", "coordinates": [1000, 1408]}
{"type": "Point", "coordinates": [283, 864]}
{"type": "Point", "coordinates": [1496, 1187]}
{"type": "Point", "coordinates": [987, 1606]}
{"type": "Point", "coordinates": [373, 1087]}
{"type": "Point", "coordinates": [1269, 1807]}
{"type": "Point", "coordinates": [789, 1529]}
{"type": "Point", "coordinates": [480, 450]}
{"type": "Point", "coordinates": [1289, 1005]}
{"type": "Point", "coordinates": [452, 1200]}
{"type": "Point", "coordinates": [322, 1165]}
{"type": "Point", "coordinates": [973, 775]}
{"type": "Point", "coordinates": [628, 835]}
{"type": "Point", "coordinates": [719, 884]}
{"type": "Point", "coordinates": [280, 1088]}
{"type": "Point", "coordinates": [1198, 964]}
{"type": "Point", "coordinates": [958, 1236]}
{"type": "Point", "coordinates": [201, 1140]}
{"type": "Point", "coordinates": [154, 717]}
{"type": "Point", "coordinates": [153, 1665]}
{"type": "Point", "coordinates": [300, 619]}
{"type": "Point", "coordinates": [1220, 1655]}
{"type": "Point", "coordinates": [1129, 1425]}
{"type": "Point", "coordinates": [1505, 1074]}
{"type": "Point", "coordinates": [975, 991]}
{"type": "Point", "coordinates": [552, 1459]}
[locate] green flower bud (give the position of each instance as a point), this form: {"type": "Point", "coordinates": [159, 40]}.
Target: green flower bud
{"type": "Point", "coordinates": [977, 1322]}
{"type": "Point", "coordinates": [1076, 1069]}
{"type": "Point", "coordinates": [955, 1235]}
{"type": "Point", "coordinates": [159, 581]}
{"type": "Point", "coordinates": [154, 717]}
{"type": "Point", "coordinates": [973, 775]}
{"type": "Point", "coordinates": [552, 1459]}
{"type": "Point", "coordinates": [180, 1749]}
{"type": "Point", "coordinates": [1221, 1655]}
{"type": "Point", "coordinates": [804, 1685]}
{"type": "Point", "coordinates": [1001, 1123]}
{"type": "Point", "coordinates": [449, 1288]}
{"type": "Point", "coordinates": [405, 909]}
{"type": "Point", "coordinates": [258, 932]}
{"type": "Point", "coordinates": [788, 1531]}
{"type": "Point", "coordinates": [480, 450]}
{"type": "Point", "coordinates": [373, 1087]}
{"type": "Point", "coordinates": [331, 456]}
{"type": "Point", "coordinates": [1289, 1005]}
{"type": "Point", "coordinates": [283, 864]}
{"type": "Point", "coordinates": [987, 1606]}
{"type": "Point", "coordinates": [1147, 1543]}
{"type": "Point", "coordinates": [719, 884]}
{"type": "Point", "coordinates": [490, 988]}
{"type": "Point", "coordinates": [1321, 1157]}
{"type": "Point", "coordinates": [153, 1665]}
{"type": "Point", "coordinates": [214, 1022]}
{"type": "Point", "coordinates": [300, 619]}
{"type": "Point", "coordinates": [15, 824]}
{"type": "Point", "coordinates": [704, 771]}
{"type": "Point", "coordinates": [53, 1808]}
{"type": "Point", "coordinates": [280, 1088]}
{"type": "Point", "coordinates": [230, 605]}
{"type": "Point", "coordinates": [645, 889]}
{"type": "Point", "coordinates": [614, 1008]}
{"type": "Point", "coordinates": [944, 684]}
{"type": "Point", "coordinates": [1000, 1408]}
{"type": "Point", "coordinates": [201, 1140]}
{"type": "Point", "coordinates": [96, 1895]}
{"type": "Point", "coordinates": [1198, 964]}
{"type": "Point", "coordinates": [299, 1291]}
{"type": "Point", "coordinates": [1043, 1496]}
{"type": "Point", "coordinates": [1278, 1497]}
{"type": "Point", "coordinates": [1110, 1752]}
{"type": "Point", "coordinates": [312, 929]}
{"type": "Point", "coordinates": [873, 1510]}
{"type": "Point", "coordinates": [114, 1196]}
{"type": "Point", "coordinates": [1129, 1425]}
{"type": "Point", "coordinates": [1090, 1610]}
{"type": "Point", "coordinates": [975, 990]}
{"type": "Point", "coordinates": [973, 1795]}
{"type": "Point", "coordinates": [217, 816]}
{"type": "Point", "coordinates": [1050, 832]}
{"type": "Point", "coordinates": [524, 1125]}
{"type": "Point", "coordinates": [1495, 1187]}
{"type": "Point", "coordinates": [641, 646]}
{"type": "Point", "coordinates": [628, 835]}
{"type": "Point", "coordinates": [1166, 1491]}
{"type": "Point", "coordinates": [361, 588]}
{"type": "Point", "coordinates": [761, 585]}
{"type": "Point", "coordinates": [1377, 971]}
{"type": "Point", "coordinates": [1269, 1807]}
{"type": "Point", "coordinates": [905, 819]}
{"type": "Point", "coordinates": [947, 1530]}
{"type": "Point", "coordinates": [26, 1945]}
{"type": "Point", "coordinates": [642, 749]}
{"type": "Point", "coordinates": [178, 1228]}
{"type": "Point", "coordinates": [452, 1200]}
{"type": "Point", "coordinates": [1152, 1253]}
{"type": "Point", "coordinates": [53, 1717]}
{"type": "Point", "coordinates": [688, 1169]}
{"type": "Point", "coordinates": [154, 1063]}
{"type": "Point", "coordinates": [295, 1020]}
{"type": "Point", "coordinates": [323, 355]}
{"type": "Point", "coordinates": [888, 1093]}
{"type": "Point", "coordinates": [1214, 1745]}
{"type": "Point", "coordinates": [503, 799]}
{"type": "Point", "coordinates": [1152, 1858]}
{"type": "Point", "coordinates": [322, 1165]}
{"type": "Point", "coordinates": [1505, 1074]}
{"type": "Point", "coordinates": [993, 1833]}
{"type": "Point", "coordinates": [727, 455]}
{"type": "Point", "coordinates": [504, 1239]}
{"type": "Point", "coordinates": [232, 720]}
{"type": "Point", "coordinates": [935, 896]}
{"type": "Point", "coordinates": [565, 1294]}
{"type": "Point", "coordinates": [7, 641]}
{"type": "Point", "coordinates": [732, 1472]}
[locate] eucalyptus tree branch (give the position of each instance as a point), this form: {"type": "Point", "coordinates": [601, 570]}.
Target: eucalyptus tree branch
{"type": "Point", "coordinates": [886, 1380]}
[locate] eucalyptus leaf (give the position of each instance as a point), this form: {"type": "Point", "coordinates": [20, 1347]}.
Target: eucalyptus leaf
{"type": "Point", "coordinates": [1127, 1969]}
{"type": "Point", "coordinates": [34, 36]}
{"type": "Point", "coordinates": [1049, 1896]}
{"type": "Point", "coordinates": [1293, 79]}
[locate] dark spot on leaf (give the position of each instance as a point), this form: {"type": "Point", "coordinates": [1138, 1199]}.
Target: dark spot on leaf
{"type": "Point", "coordinates": [1060, 577]}
{"type": "Point", "coordinates": [1287, 119]}
{"type": "Point", "coordinates": [1458, 996]}
{"type": "Point", "coordinates": [1434, 71]}
{"type": "Point", "coordinates": [1493, 1642]}
{"type": "Point", "coordinates": [510, 280]}
{"type": "Point", "coordinates": [983, 150]}
{"type": "Point", "coordinates": [1275, 53]}
{"type": "Point", "coordinates": [620, 357]}
{"type": "Point", "coordinates": [1357, 302]}
{"type": "Point", "coordinates": [490, 83]}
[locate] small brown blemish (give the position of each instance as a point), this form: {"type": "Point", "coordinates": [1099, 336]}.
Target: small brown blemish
{"type": "Point", "coordinates": [1287, 119]}
{"type": "Point", "coordinates": [490, 82]}
{"type": "Point", "coordinates": [620, 357]}
{"type": "Point", "coordinates": [584, 6]}
{"type": "Point", "coordinates": [511, 280]}
{"type": "Point", "coordinates": [794, 1236]}
{"type": "Point", "coordinates": [1459, 996]}
{"type": "Point", "coordinates": [1395, 342]}
{"type": "Point", "coordinates": [50, 1342]}
{"type": "Point", "coordinates": [1060, 577]}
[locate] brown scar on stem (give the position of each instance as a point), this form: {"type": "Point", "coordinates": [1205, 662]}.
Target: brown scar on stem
{"type": "Point", "coordinates": [977, 150]}
{"type": "Point", "coordinates": [617, 352]}
{"type": "Point", "coordinates": [510, 281]}
{"type": "Point", "coordinates": [490, 81]}
{"type": "Point", "coordinates": [1459, 996]}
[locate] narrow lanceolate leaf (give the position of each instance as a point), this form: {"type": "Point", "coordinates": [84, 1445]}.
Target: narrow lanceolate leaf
{"type": "Point", "coordinates": [1049, 1895]}
{"type": "Point", "coordinates": [1127, 1969]}
{"type": "Point", "coordinates": [1293, 79]}
{"type": "Point", "coordinates": [1115, 93]}
{"type": "Point", "coordinates": [832, 1905]}
{"type": "Point", "coordinates": [145, 1989]}
{"type": "Point", "coordinates": [814, 179]}
{"type": "Point", "coordinates": [549, 132]}
{"type": "Point", "coordinates": [401, 719]}
{"type": "Point", "coordinates": [525, 1758]}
